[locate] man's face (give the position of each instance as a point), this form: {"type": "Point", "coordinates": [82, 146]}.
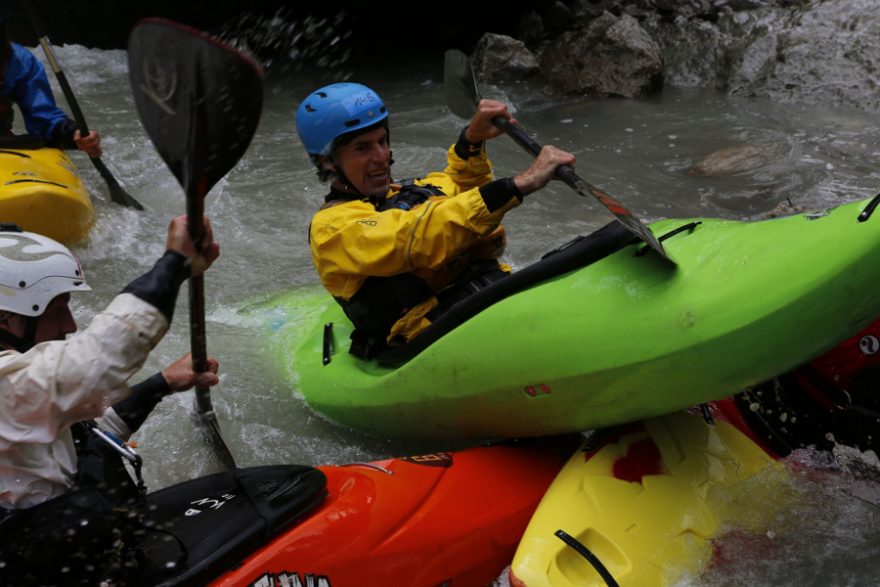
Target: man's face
{"type": "Point", "coordinates": [366, 162]}
{"type": "Point", "coordinates": [53, 324]}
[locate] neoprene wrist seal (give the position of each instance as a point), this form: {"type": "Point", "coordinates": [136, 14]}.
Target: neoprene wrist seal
{"type": "Point", "coordinates": [159, 286]}
{"type": "Point", "coordinates": [466, 149]}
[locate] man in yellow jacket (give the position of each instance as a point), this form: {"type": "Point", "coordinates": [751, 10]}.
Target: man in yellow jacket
{"type": "Point", "coordinates": [393, 255]}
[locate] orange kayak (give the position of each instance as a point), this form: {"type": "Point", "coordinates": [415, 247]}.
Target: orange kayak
{"type": "Point", "coordinates": [451, 518]}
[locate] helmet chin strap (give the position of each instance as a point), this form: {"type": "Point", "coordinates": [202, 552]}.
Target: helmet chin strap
{"type": "Point", "coordinates": [25, 343]}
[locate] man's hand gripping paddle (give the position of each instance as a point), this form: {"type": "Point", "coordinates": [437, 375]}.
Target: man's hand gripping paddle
{"type": "Point", "coordinates": [462, 95]}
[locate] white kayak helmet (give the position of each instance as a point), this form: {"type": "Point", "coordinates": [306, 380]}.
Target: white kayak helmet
{"type": "Point", "coordinates": [34, 270]}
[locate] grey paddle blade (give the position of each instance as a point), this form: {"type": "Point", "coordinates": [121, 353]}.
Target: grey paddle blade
{"type": "Point", "coordinates": [462, 94]}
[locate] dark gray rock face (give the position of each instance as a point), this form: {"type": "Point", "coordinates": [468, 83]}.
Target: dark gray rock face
{"type": "Point", "coordinates": [612, 56]}
{"type": "Point", "coordinates": [819, 51]}
{"type": "Point", "coordinates": [499, 57]}
{"type": "Point", "coordinates": [816, 51]}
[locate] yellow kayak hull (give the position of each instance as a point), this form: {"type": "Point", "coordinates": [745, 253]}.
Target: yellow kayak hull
{"type": "Point", "coordinates": [41, 191]}
{"type": "Point", "coordinates": [647, 499]}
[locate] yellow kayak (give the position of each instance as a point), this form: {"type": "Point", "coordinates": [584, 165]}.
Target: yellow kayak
{"type": "Point", "coordinates": [41, 192]}
{"type": "Point", "coordinates": [641, 504]}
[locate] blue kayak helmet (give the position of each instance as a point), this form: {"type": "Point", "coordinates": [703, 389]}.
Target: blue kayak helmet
{"type": "Point", "coordinates": [335, 110]}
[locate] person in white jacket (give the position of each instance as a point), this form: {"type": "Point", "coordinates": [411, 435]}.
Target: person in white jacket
{"type": "Point", "coordinates": [65, 496]}
{"type": "Point", "coordinates": [48, 382]}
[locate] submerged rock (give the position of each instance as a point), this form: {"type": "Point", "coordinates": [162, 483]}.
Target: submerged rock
{"type": "Point", "coordinates": [735, 159]}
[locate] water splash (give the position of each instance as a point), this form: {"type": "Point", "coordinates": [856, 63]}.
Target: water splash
{"type": "Point", "coordinates": [286, 40]}
{"type": "Point", "coordinates": [823, 518]}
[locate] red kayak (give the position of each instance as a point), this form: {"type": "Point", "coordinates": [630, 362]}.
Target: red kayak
{"type": "Point", "coordinates": [832, 399]}
{"type": "Point", "coordinates": [450, 518]}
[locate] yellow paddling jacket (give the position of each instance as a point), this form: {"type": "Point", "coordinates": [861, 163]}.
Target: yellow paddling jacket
{"type": "Point", "coordinates": [384, 259]}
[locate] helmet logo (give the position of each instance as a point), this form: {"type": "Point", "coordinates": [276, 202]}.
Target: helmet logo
{"type": "Point", "coordinates": [355, 104]}
{"type": "Point", "coordinates": [159, 83]}
{"type": "Point", "coordinates": [12, 247]}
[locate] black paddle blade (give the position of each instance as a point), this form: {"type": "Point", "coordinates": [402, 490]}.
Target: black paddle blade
{"type": "Point", "coordinates": [462, 94]}
{"type": "Point", "coordinates": [200, 102]}
{"type": "Point", "coordinates": [198, 98]}
{"type": "Point", "coordinates": [117, 193]}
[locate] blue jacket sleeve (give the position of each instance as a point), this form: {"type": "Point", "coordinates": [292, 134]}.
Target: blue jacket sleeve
{"type": "Point", "coordinates": [27, 85]}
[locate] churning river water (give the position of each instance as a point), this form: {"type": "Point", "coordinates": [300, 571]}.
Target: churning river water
{"type": "Point", "coordinates": [640, 151]}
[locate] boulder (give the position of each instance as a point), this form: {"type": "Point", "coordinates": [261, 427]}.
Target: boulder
{"type": "Point", "coordinates": [612, 56]}
{"type": "Point", "coordinates": [499, 57]}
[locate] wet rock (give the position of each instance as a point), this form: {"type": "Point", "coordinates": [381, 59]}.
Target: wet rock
{"type": "Point", "coordinates": [499, 57]}
{"type": "Point", "coordinates": [826, 53]}
{"type": "Point", "coordinates": [666, 5]}
{"type": "Point", "coordinates": [612, 56]}
{"type": "Point", "coordinates": [640, 9]}
{"type": "Point", "coordinates": [788, 50]}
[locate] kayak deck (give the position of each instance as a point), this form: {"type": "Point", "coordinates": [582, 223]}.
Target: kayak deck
{"type": "Point", "coordinates": [646, 500]}
{"type": "Point", "coordinates": [41, 192]}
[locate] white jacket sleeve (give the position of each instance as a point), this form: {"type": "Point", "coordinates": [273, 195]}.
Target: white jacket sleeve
{"type": "Point", "coordinates": [55, 384]}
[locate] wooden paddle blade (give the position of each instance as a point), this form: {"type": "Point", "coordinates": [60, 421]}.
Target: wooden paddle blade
{"type": "Point", "coordinates": [462, 94]}
{"type": "Point", "coordinates": [198, 98]}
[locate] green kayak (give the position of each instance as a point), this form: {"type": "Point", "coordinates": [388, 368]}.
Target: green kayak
{"type": "Point", "coordinates": [600, 331]}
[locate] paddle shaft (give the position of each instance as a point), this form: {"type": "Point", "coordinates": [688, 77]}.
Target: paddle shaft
{"type": "Point", "coordinates": [462, 95]}
{"type": "Point", "coordinates": [196, 187]}
{"type": "Point", "coordinates": [567, 175]}
{"type": "Point", "coordinates": [65, 85]}
{"type": "Point", "coordinates": [198, 336]}
{"type": "Point", "coordinates": [564, 173]}
{"type": "Point", "coordinates": [117, 194]}
{"type": "Point", "coordinates": [198, 344]}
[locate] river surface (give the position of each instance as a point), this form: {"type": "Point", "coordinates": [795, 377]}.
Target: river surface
{"type": "Point", "coordinates": [638, 151]}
